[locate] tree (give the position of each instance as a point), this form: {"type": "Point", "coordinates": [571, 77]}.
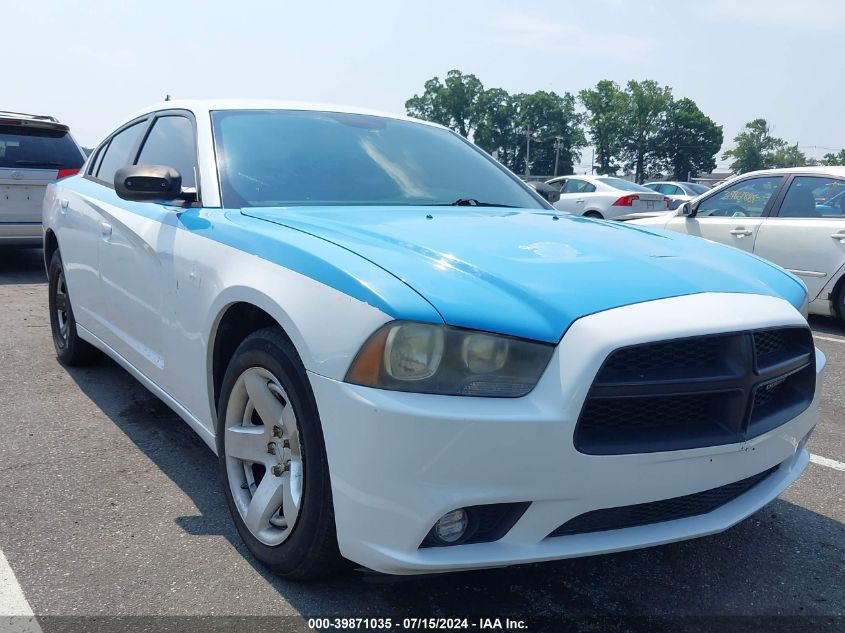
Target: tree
{"type": "Point", "coordinates": [688, 141]}
{"type": "Point", "coordinates": [834, 159]}
{"type": "Point", "coordinates": [556, 129]}
{"type": "Point", "coordinates": [452, 103]}
{"type": "Point", "coordinates": [496, 128]}
{"type": "Point", "coordinates": [788, 156]}
{"type": "Point", "coordinates": [755, 147]}
{"type": "Point", "coordinates": [645, 117]}
{"type": "Point", "coordinates": [605, 105]}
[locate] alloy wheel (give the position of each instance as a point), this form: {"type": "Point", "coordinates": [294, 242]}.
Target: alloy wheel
{"type": "Point", "coordinates": [263, 454]}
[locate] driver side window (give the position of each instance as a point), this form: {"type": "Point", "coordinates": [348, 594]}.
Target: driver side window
{"type": "Point", "coordinates": [743, 199]}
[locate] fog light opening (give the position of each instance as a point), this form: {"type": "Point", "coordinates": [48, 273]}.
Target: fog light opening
{"type": "Point", "coordinates": [451, 527]}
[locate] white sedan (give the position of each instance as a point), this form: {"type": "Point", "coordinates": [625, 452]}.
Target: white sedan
{"type": "Point", "coordinates": [793, 217]}
{"type": "Point", "coordinates": [677, 192]}
{"type": "Point", "coordinates": [605, 197]}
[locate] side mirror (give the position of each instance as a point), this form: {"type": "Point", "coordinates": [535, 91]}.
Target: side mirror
{"type": "Point", "coordinates": [146, 183]}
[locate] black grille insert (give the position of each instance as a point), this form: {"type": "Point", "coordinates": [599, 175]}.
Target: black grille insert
{"type": "Point", "coordinates": [699, 391]}
{"type": "Point", "coordinates": [659, 511]}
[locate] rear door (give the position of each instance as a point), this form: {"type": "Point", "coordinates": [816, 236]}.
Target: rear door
{"type": "Point", "coordinates": [734, 214]}
{"type": "Point", "coordinates": [32, 155]}
{"type": "Point", "coordinates": [806, 232]}
{"type": "Point", "coordinates": [572, 196]}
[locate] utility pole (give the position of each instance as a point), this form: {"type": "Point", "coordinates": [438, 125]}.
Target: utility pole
{"type": "Point", "coordinates": [558, 139]}
{"type": "Point", "coordinates": [593, 160]}
{"type": "Point", "coordinates": [528, 150]}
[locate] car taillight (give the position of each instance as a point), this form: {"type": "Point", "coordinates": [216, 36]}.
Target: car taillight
{"type": "Point", "coordinates": [64, 173]}
{"type": "Point", "coordinates": [666, 200]}
{"type": "Point", "coordinates": [626, 201]}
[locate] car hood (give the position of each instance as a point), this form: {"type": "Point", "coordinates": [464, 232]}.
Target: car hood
{"type": "Point", "coordinates": [531, 273]}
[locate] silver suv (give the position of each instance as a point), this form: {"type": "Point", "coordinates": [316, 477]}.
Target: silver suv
{"type": "Point", "coordinates": [34, 151]}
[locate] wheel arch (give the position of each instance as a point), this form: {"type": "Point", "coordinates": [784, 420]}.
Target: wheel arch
{"type": "Point", "coordinates": [238, 316]}
{"type": "Point", "coordinates": [51, 245]}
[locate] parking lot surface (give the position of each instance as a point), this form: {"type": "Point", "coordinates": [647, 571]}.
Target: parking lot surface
{"type": "Point", "coordinates": [111, 506]}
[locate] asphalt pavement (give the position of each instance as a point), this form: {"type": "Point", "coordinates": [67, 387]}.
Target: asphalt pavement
{"type": "Point", "coordinates": [111, 506]}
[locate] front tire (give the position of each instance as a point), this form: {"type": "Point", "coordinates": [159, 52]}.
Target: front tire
{"type": "Point", "coordinates": [70, 349]}
{"type": "Point", "coordinates": [273, 459]}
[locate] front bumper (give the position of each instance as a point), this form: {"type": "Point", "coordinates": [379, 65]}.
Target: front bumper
{"type": "Point", "coordinates": [399, 461]}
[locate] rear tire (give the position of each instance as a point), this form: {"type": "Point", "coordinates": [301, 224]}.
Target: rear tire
{"type": "Point", "coordinates": [70, 349]}
{"type": "Point", "coordinates": [272, 458]}
{"type": "Point", "coordinates": [593, 214]}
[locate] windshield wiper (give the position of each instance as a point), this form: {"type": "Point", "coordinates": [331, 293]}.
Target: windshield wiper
{"type": "Point", "coordinates": [472, 202]}
{"type": "Point", "coordinates": [38, 162]}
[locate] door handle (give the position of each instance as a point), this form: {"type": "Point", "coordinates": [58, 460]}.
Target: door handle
{"type": "Point", "coordinates": [105, 230]}
{"type": "Point", "coordinates": [579, 201]}
{"type": "Point", "coordinates": [839, 236]}
{"type": "Point", "coordinates": [63, 206]}
{"type": "Point", "coordinates": [740, 231]}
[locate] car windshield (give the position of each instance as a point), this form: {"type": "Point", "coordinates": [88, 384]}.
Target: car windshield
{"type": "Point", "coordinates": [37, 148]}
{"type": "Point", "coordinates": [296, 158]}
{"type": "Point", "coordinates": [624, 185]}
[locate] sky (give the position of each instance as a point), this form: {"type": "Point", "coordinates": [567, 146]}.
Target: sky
{"type": "Point", "coordinates": [93, 63]}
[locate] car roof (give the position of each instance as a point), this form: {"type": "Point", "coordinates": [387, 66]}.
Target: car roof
{"type": "Point", "coordinates": [818, 169]}
{"type": "Point", "coordinates": [212, 105]}
{"type": "Point", "coordinates": [32, 120]}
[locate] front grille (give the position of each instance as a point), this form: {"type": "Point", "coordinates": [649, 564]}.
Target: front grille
{"type": "Point", "coordinates": [698, 391]}
{"type": "Point", "coordinates": [658, 511]}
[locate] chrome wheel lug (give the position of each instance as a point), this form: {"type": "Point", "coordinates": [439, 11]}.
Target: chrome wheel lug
{"type": "Point", "coordinates": [277, 431]}
{"type": "Point", "coordinates": [277, 470]}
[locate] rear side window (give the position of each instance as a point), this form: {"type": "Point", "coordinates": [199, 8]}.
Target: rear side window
{"type": "Point", "coordinates": [38, 148]}
{"type": "Point", "coordinates": [814, 197]}
{"type": "Point", "coordinates": [171, 143]}
{"type": "Point", "coordinates": [119, 153]}
{"type": "Point", "coordinates": [574, 185]}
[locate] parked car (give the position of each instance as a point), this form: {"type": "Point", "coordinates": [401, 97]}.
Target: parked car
{"type": "Point", "coordinates": [417, 364]}
{"type": "Point", "coordinates": [677, 192]}
{"type": "Point", "coordinates": [34, 151]}
{"type": "Point", "coordinates": [775, 214]}
{"type": "Point", "coordinates": [605, 197]}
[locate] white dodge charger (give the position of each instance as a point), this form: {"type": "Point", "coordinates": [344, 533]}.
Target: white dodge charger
{"type": "Point", "coordinates": [404, 357]}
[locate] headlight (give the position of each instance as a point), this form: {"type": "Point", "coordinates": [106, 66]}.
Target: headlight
{"type": "Point", "coordinates": [425, 358]}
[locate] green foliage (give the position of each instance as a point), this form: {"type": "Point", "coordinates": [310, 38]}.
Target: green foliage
{"type": "Point", "coordinates": [755, 147]}
{"type": "Point", "coordinates": [688, 141]}
{"type": "Point", "coordinates": [788, 156]}
{"type": "Point", "coordinates": [834, 159]}
{"type": "Point", "coordinates": [501, 123]}
{"type": "Point", "coordinates": [451, 103]}
{"type": "Point", "coordinates": [643, 120]}
{"type": "Point", "coordinates": [640, 128]}
{"type": "Point", "coordinates": [552, 119]}
{"type": "Point", "coordinates": [606, 105]}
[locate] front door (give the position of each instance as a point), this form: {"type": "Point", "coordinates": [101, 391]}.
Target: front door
{"type": "Point", "coordinates": [732, 215]}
